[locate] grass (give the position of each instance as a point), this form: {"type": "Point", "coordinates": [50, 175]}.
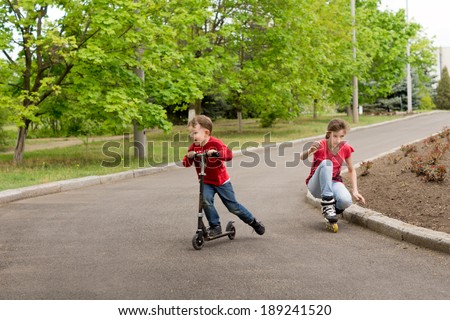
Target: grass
{"type": "Point", "coordinates": [99, 158]}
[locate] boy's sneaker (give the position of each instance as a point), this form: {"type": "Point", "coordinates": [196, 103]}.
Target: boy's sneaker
{"type": "Point", "coordinates": [329, 210]}
{"type": "Point", "coordinates": [214, 231]}
{"type": "Point", "coordinates": [258, 227]}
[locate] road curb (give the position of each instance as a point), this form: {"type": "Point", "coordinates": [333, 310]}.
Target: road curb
{"type": "Point", "coordinates": [393, 228]}
{"type": "Point", "coordinates": [77, 183]}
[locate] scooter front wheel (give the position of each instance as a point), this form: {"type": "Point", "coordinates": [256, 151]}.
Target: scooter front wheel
{"type": "Point", "coordinates": [198, 242]}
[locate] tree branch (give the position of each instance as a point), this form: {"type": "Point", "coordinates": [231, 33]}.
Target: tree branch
{"type": "Point", "coordinates": [40, 68]}
{"type": "Point", "coordinates": [125, 32]}
{"type": "Point", "coordinates": [16, 12]}
{"type": "Point", "coordinates": [84, 40]}
{"type": "Point", "coordinates": [8, 57]}
{"type": "Point", "coordinates": [57, 83]}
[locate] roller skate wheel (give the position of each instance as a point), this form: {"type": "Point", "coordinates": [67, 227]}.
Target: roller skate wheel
{"type": "Point", "coordinates": [331, 226]}
{"type": "Point", "coordinates": [335, 227]}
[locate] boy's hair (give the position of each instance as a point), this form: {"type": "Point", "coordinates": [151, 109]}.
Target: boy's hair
{"type": "Point", "coordinates": [337, 125]}
{"type": "Point", "coordinates": [203, 121]}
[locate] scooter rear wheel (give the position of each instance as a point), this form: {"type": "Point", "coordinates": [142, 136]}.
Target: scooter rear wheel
{"type": "Point", "coordinates": [198, 242]}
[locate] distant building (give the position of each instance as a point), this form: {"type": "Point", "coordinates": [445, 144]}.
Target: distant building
{"type": "Point", "coordinates": [443, 59]}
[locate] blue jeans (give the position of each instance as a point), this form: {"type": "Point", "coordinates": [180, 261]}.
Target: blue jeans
{"type": "Point", "coordinates": [226, 194]}
{"type": "Point", "coordinates": [322, 185]}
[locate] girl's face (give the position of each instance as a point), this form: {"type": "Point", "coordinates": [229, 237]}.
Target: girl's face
{"type": "Point", "coordinates": [199, 134]}
{"type": "Point", "coordinates": [335, 138]}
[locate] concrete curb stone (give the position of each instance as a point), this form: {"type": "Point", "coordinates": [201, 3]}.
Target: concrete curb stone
{"type": "Point", "coordinates": [77, 183]}
{"type": "Point", "coordinates": [394, 228]}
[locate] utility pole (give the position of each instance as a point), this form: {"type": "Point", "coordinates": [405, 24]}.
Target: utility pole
{"type": "Point", "coordinates": [140, 139]}
{"type": "Point", "coordinates": [354, 78]}
{"type": "Point", "coordinates": [408, 68]}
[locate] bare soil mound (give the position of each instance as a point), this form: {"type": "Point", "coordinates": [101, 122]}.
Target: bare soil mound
{"type": "Point", "coordinates": [405, 185]}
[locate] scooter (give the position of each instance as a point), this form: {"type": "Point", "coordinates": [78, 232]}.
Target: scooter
{"type": "Point", "coordinates": [202, 233]}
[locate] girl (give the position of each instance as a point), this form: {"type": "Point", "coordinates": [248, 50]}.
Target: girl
{"type": "Point", "coordinates": [324, 180]}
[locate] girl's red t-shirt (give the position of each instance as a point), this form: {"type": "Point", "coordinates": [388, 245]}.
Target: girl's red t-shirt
{"type": "Point", "coordinates": [345, 151]}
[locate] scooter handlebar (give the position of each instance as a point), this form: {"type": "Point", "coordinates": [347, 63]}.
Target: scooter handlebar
{"type": "Point", "coordinates": [215, 154]}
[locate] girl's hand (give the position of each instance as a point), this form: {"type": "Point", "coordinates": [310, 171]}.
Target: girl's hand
{"type": "Point", "coordinates": [359, 197]}
{"type": "Point", "coordinates": [314, 147]}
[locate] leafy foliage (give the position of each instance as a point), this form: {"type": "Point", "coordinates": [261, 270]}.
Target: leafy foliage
{"type": "Point", "coordinates": [443, 91]}
{"type": "Point", "coordinates": [73, 65]}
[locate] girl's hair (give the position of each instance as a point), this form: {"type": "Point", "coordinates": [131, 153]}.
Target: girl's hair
{"type": "Point", "coordinates": [203, 121]}
{"type": "Point", "coordinates": [337, 125]}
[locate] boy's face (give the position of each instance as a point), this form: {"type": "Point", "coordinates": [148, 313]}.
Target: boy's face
{"type": "Point", "coordinates": [199, 134]}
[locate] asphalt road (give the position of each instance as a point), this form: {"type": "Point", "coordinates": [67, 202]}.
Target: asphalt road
{"type": "Point", "coordinates": [132, 239]}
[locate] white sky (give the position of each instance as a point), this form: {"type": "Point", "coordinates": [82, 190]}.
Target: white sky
{"type": "Point", "coordinates": [432, 15]}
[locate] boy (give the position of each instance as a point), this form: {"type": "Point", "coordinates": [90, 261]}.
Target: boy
{"type": "Point", "coordinates": [216, 178]}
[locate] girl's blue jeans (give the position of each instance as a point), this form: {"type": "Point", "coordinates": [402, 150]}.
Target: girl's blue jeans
{"type": "Point", "coordinates": [322, 185]}
{"type": "Point", "coordinates": [226, 194]}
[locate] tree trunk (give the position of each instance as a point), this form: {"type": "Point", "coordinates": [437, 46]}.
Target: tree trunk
{"type": "Point", "coordinates": [191, 112]}
{"type": "Point", "coordinates": [355, 100]}
{"type": "Point", "coordinates": [20, 143]}
{"type": "Point", "coordinates": [140, 143]}
{"type": "Point", "coordinates": [194, 109]}
{"type": "Point", "coordinates": [315, 109]}
{"type": "Point", "coordinates": [239, 117]}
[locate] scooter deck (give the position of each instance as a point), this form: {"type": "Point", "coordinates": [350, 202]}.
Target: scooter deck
{"type": "Point", "coordinates": [202, 236]}
{"type": "Point", "coordinates": [230, 231]}
{"type": "Point", "coordinates": [223, 234]}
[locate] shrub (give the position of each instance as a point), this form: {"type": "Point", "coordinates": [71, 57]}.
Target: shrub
{"type": "Point", "coordinates": [268, 119]}
{"type": "Point", "coordinates": [418, 165]}
{"type": "Point", "coordinates": [407, 149]}
{"type": "Point", "coordinates": [443, 91]}
{"type": "Point", "coordinates": [445, 133]}
{"type": "Point", "coordinates": [366, 166]}
{"type": "Point", "coordinates": [435, 173]}
{"type": "Point", "coordinates": [426, 103]}
{"type": "Point", "coordinates": [437, 152]}
{"type": "Point", "coordinates": [427, 166]}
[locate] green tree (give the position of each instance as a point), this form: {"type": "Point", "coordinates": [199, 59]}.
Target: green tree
{"type": "Point", "coordinates": [284, 54]}
{"type": "Point", "coordinates": [181, 68]}
{"type": "Point", "coordinates": [88, 55]}
{"type": "Point", "coordinates": [240, 31]}
{"type": "Point", "coordinates": [382, 42]}
{"type": "Point", "coordinates": [325, 54]}
{"type": "Point", "coordinates": [443, 91]}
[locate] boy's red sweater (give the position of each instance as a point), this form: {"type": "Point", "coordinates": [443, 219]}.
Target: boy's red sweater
{"type": "Point", "coordinates": [215, 170]}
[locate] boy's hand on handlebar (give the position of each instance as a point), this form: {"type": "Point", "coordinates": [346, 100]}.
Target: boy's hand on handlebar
{"type": "Point", "coordinates": [212, 153]}
{"type": "Point", "coordinates": [191, 154]}
{"type": "Point", "coordinates": [209, 153]}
